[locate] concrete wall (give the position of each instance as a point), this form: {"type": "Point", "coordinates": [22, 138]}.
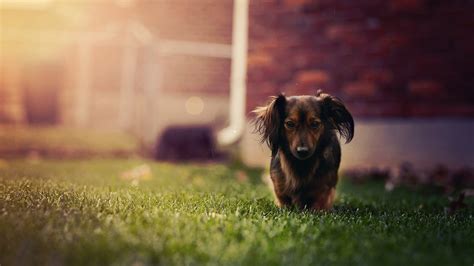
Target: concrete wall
{"type": "Point", "coordinates": [389, 142]}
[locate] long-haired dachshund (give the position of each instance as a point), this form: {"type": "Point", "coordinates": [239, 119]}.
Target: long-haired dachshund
{"type": "Point", "coordinates": [301, 133]}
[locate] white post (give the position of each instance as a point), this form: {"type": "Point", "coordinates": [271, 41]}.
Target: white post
{"type": "Point", "coordinates": [151, 87]}
{"type": "Point", "coordinates": [238, 75]}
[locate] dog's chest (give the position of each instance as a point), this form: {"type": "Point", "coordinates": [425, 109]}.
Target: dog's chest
{"type": "Point", "coordinates": [296, 180]}
{"type": "Point", "coordinates": [300, 178]}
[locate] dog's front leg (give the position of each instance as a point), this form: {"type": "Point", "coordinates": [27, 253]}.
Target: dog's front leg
{"type": "Point", "coordinates": [281, 198]}
{"type": "Point", "coordinates": [325, 199]}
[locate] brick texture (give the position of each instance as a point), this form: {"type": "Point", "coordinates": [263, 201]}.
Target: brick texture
{"type": "Point", "coordinates": [384, 58]}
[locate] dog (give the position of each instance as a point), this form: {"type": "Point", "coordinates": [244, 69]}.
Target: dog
{"type": "Point", "coordinates": [301, 132]}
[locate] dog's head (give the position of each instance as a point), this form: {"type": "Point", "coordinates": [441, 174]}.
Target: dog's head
{"type": "Point", "coordinates": [298, 123]}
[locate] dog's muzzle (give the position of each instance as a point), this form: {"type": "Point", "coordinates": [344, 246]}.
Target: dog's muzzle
{"type": "Point", "coordinates": [302, 151]}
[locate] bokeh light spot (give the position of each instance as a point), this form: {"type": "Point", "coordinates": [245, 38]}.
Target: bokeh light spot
{"type": "Point", "coordinates": [194, 105]}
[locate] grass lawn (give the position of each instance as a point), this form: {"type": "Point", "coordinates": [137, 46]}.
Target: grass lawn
{"type": "Point", "coordinates": [60, 142]}
{"type": "Point", "coordinates": [83, 212]}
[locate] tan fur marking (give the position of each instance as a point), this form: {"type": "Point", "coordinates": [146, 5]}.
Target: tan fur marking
{"type": "Point", "coordinates": [325, 200]}
{"type": "Point", "coordinates": [292, 182]}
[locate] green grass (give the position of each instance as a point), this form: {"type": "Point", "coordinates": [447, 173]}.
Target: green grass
{"type": "Point", "coordinates": [60, 142]}
{"type": "Point", "coordinates": [83, 213]}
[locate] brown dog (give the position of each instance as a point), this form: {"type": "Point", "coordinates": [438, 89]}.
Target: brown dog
{"type": "Point", "coordinates": [301, 133]}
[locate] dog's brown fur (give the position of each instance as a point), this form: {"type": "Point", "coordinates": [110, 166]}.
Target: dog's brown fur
{"type": "Point", "coordinates": [301, 133]}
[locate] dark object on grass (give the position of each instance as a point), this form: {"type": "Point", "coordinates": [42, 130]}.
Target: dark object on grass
{"type": "Point", "coordinates": [440, 178]}
{"type": "Point", "coordinates": [463, 178]}
{"type": "Point", "coordinates": [455, 205]}
{"type": "Point", "coordinates": [187, 143]}
{"type": "Point", "coordinates": [407, 175]}
{"type": "Point", "coordinates": [360, 176]}
{"type": "Point", "coordinates": [357, 176]}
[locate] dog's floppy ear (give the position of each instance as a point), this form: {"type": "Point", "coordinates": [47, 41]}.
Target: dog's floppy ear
{"type": "Point", "coordinates": [268, 121]}
{"type": "Point", "coordinates": [337, 115]}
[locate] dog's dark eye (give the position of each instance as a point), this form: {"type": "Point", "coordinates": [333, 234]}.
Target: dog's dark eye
{"type": "Point", "coordinates": [290, 124]}
{"type": "Point", "coordinates": [314, 124]}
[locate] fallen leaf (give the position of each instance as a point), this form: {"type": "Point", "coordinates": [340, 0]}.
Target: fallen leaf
{"type": "Point", "coordinates": [136, 174]}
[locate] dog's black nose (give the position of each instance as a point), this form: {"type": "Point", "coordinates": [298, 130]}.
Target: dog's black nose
{"type": "Point", "coordinates": [302, 151]}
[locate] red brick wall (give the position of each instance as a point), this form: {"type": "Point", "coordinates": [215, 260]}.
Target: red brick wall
{"type": "Point", "coordinates": [384, 58]}
{"type": "Point", "coordinates": [190, 20]}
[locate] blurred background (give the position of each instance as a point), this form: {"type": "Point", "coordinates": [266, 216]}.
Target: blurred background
{"type": "Point", "coordinates": [177, 79]}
